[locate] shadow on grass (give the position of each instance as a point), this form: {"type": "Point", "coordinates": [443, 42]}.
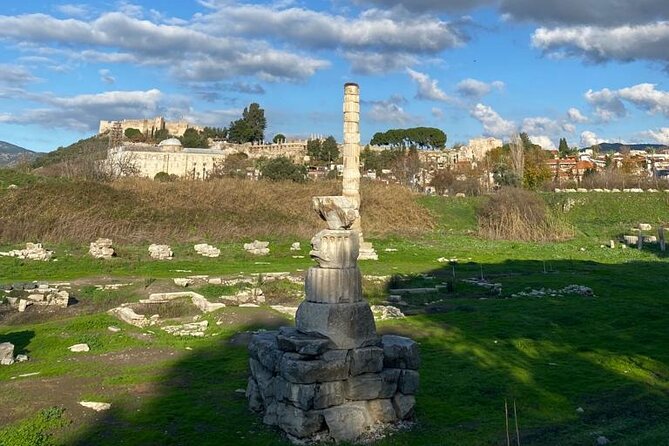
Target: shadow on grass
{"type": "Point", "coordinates": [551, 355]}
{"type": "Point", "coordinates": [20, 339]}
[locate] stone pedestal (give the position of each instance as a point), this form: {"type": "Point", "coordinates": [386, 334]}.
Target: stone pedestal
{"type": "Point", "coordinates": [332, 375]}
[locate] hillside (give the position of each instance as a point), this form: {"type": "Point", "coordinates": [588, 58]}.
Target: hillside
{"type": "Point", "coordinates": [11, 154]}
{"type": "Point", "coordinates": [93, 148]}
{"type": "Point", "coordinates": [613, 147]}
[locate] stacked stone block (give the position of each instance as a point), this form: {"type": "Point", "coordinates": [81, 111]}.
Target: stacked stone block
{"type": "Point", "coordinates": [332, 376]}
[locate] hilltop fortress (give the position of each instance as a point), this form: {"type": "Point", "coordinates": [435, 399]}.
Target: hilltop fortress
{"type": "Point", "coordinates": [150, 126]}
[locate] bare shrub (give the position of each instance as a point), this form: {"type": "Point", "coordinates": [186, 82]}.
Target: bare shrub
{"type": "Point", "coordinates": [518, 214]}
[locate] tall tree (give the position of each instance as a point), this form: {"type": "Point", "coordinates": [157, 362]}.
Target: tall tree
{"type": "Point", "coordinates": [250, 127]}
{"type": "Point", "coordinates": [279, 138]}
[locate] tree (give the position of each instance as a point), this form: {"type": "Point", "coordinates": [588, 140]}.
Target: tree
{"type": "Point", "coordinates": [279, 138]}
{"type": "Point", "coordinates": [193, 138]}
{"type": "Point", "coordinates": [282, 168]}
{"type": "Point", "coordinates": [329, 150]}
{"type": "Point", "coordinates": [423, 137]}
{"type": "Point", "coordinates": [250, 127]}
{"type": "Point", "coordinates": [442, 181]}
{"type": "Point", "coordinates": [134, 135]}
{"type": "Point", "coordinates": [219, 133]}
{"type": "Point", "coordinates": [314, 149]}
{"type": "Point", "coordinates": [234, 166]}
{"type": "Point", "coordinates": [563, 148]}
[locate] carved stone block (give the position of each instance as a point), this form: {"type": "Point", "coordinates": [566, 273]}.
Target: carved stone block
{"type": "Point", "coordinates": [335, 249]}
{"type": "Point", "coordinates": [333, 285]}
{"type": "Point", "coordinates": [347, 325]}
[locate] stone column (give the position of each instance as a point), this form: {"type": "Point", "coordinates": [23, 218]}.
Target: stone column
{"type": "Point", "coordinates": [660, 236]}
{"type": "Point", "coordinates": [351, 155]}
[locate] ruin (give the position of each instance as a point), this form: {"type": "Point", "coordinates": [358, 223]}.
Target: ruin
{"type": "Point", "coordinates": [332, 377]}
{"type": "Point", "coordinates": [351, 155]}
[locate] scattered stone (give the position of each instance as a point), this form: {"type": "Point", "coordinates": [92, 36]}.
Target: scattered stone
{"type": "Point", "coordinates": [207, 250]}
{"type": "Point", "coordinates": [113, 329]}
{"type": "Point", "coordinates": [160, 252]}
{"type": "Point", "coordinates": [96, 406]}
{"type": "Point", "coordinates": [296, 247]}
{"type": "Point", "coordinates": [247, 296]}
{"type": "Point", "coordinates": [12, 186]}
{"type": "Point", "coordinates": [390, 250]}
{"type": "Point", "coordinates": [579, 410]}
{"type": "Point", "coordinates": [184, 282]}
{"type": "Point", "coordinates": [460, 195]}
{"type": "Point", "coordinates": [23, 304]}
{"type": "Point", "coordinates": [579, 290]}
{"type": "Point", "coordinates": [192, 329]}
{"type": "Point", "coordinates": [602, 440]}
{"type": "Point", "coordinates": [6, 353]}
{"type": "Point", "coordinates": [612, 244]}
{"type": "Point", "coordinates": [204, 305]}
{"type": "Point", "coordinates": [645, 227]}
{"type": "Point", "coordinates": [385, 312]}
{"type": "Point", "coordinates": [78, 348]}
{"type": "Point", "coordinates": [102, 249]}
{"type": "Point", "coordinates": [33, 251]}
{"type": "Point", "coordinates": [257, 248]}
{"type": "Point", "coordinates": [128, 315]}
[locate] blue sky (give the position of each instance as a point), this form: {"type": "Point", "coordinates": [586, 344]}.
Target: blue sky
{"type": "Point", "coordinates": [590, 71]}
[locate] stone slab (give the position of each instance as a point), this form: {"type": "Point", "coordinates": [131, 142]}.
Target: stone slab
{"type": "Point", "coordinates": [347, 325]}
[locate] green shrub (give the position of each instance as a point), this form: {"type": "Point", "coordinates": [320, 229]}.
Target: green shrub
{"type": "Point", "coordinates": [165, 177]}
{"type": "Point", "coordinates": [282, 168]}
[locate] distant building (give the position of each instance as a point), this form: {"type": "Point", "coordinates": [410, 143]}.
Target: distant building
{"type": "Point", "coordinates": [150, 126]}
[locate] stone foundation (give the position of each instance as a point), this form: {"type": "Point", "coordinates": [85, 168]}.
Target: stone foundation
{"type": "Point", "coordinates": [307, 388]}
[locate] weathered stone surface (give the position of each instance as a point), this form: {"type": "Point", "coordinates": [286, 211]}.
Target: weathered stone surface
{"type": "Point", "coordinates": [645, 227]}
{"type": "Point", "coordinates": [404, 405]}
{"type": "Point", "coordinates": [264, 348]}
{"type": "Point", "coordinates": [366, 360]}
{"type": "Point", "coordinates": [6, 353]}
{"type": "Point", "coordinates": [364, 387]}
{"type": "Point", "coordinates": [23, 304]}
{"type": "Point", "coordinates": [265, 379]}
{"type": "Point", "coordinates": [349, 325]}
{"type": "Point", "coordinates": [400, 352]}
{"type": "Point", "coordinates": [207, 250]}
{"type": "Point", "coordinates": [77, 348]}
{"type": "Point", "coordinates": [270, 417]}
{"type": "Point", "coordinates": [291, 340]}
{"type": "Point", "coordinates": [335, 248]}
{"type": "Point", "coordinates": [299, 395]}
{"type": "Point", "coordinates": [348, 421]}
{"type": "Point", "coordinates": [385, 312]}
{"type": "Point", "coordinates": [96, 405]}
{"type": "Point", "coordinates": [382, 410]}
{"type": "Point", "coordinates": [183, 281]}
{"type": "Point", "coordinates": [160, 252]}
{"type": "Point", "coordinates": [331, 366]}
{"type": "Point", "coordinates": [102, 249]}
{"type": "Point", "coordinates": [329, 394]}
{"type": "Point", "coordinates": [128, 315]}
{"type": "Point", "coordinates": [195, 329]}
{"type": "Point", "coordinates": [333, 286]}
{"type": "Point", "coordinates": [204, 305]}
{"type": "Point", "coordinates": [338, 211]}
{"type": "Point", "coordinates": [32, 251]}
{"type": "Point", "coordinates": [253, 395]}
{"type": "Point", "coordinates": [390, 379]}
{"type": "Point", "coordinates": [409, 382]}
{"type": "Point", "coordinates": [257, 248]}
{"type": "Point", "coordinates": [297, 422]}
{"type": "Point", "coordinates": [296, 246]}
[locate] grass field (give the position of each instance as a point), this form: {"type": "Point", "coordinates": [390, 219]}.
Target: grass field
{"type": "Point", "coordinates": [606, 354]}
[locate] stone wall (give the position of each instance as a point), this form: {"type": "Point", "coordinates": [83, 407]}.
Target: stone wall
{"type": "Point", "coordinates": [148, 126]}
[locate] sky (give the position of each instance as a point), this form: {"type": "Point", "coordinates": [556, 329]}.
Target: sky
{"type": "Point", "coordinates": [590, 71]}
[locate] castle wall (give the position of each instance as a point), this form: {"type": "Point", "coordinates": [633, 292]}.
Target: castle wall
{"type": "Point", "coordinates": [147, 126]}
{"type": "Point", "coordinates": [189, 163]}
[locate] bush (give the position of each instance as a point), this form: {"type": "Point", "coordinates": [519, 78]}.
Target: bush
{"type": "Point", "coordinates": [518, 214]}
{"type": "Point", "coordinates": [165, 177]}
{"type": "Point", "coordinates": [134, 135]}
{"type": "Point", "coordinates": [282, 168]}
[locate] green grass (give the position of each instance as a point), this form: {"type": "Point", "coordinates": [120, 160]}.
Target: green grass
{"type": "Point", "coordinates": [35, 431]}
{"type": "Point", "coordinates": [551, 355]}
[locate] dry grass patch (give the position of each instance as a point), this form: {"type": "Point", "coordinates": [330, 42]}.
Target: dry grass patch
{"type": "Point", "coordinates": [136, 210]}
{"type": "Point", "coordinates": [518, 214]}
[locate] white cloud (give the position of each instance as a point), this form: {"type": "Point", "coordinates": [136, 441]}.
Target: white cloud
{"type": "Point", "coordinates": [493, 123]}
{"type": "Point", "coordinates": [15, 75]}
{"type": "Point", "coordinates": [437, 112]}
{"type": "Point", "coordinates": [647, 97]}
{"type": "Point", "coordinates": [575, 115]}
{"type": "Point", "coordinates": [607, 103]}
{"type": "Point", "coordinates": [390, 111]}
{"type": "Point", "coordinates": [363, 62]}
{"type": "Point", "coordinates": [106, 76]}
{"type": "Point", "coordinates": [660, 135]}
{"type": "Point", "coordinates": [540, 125]}
{"type": "Point", "coordinates": [428, 88]}
{"type": "Point", "coordinates": [188, 53]}
{"type": "Point", "coordinates": [429, 5]}
{"type": "Point", "coordinates": [73, 10]}
{"type": "Point", "coordinates": [589, 138]}
{"type": "Point", "coordinates": [474, 88]}
{"type": "Point", "coordinates": [544, 141]}
{"type": "Point", "coordinates": [598, 44]}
